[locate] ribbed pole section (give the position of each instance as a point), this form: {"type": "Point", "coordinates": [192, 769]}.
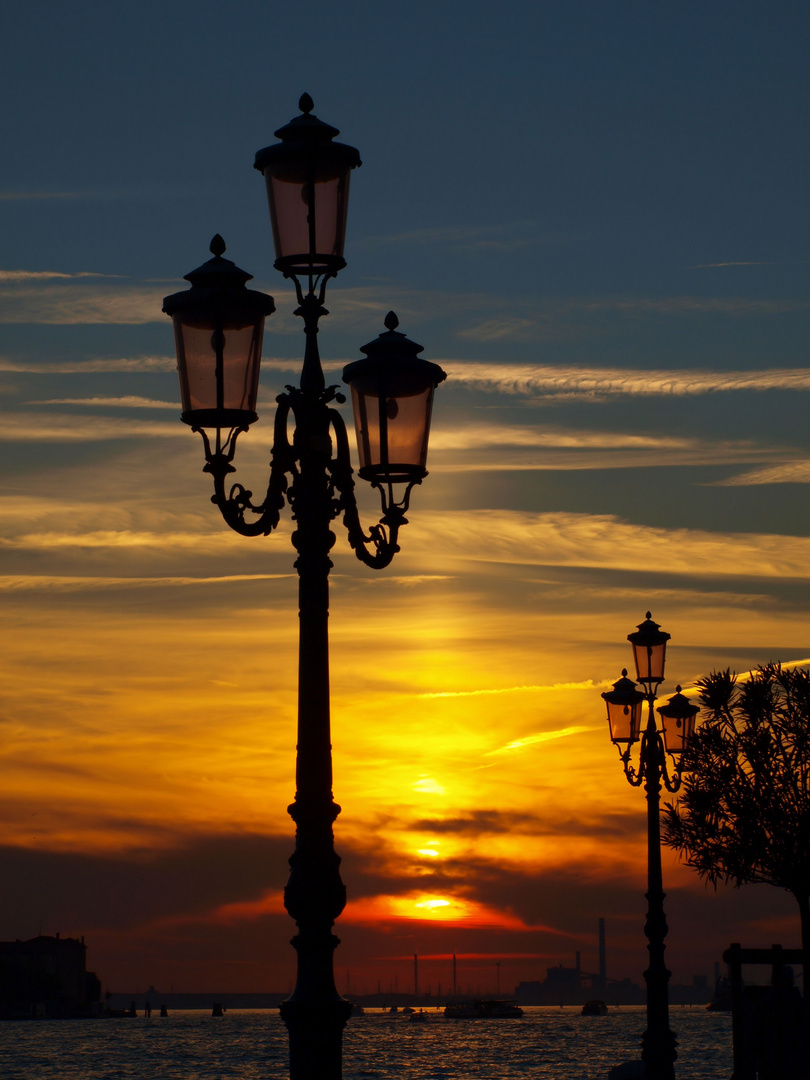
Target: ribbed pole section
{"type": "Point", "coordinates": [315, 895]}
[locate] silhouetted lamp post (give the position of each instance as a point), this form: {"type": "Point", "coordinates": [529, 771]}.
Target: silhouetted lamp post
{"type": "Point", "coordinates": [624, 709]}
{"type": "Point", "coordinates": [218, 325]}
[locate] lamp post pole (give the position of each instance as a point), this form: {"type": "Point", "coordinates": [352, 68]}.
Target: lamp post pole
{"type": "Point", "coordinates": [624, 707]}
{"type": "Point", "coordinates": [658, 1044]}
{"type": "Point", "coordinates": [218, 329]}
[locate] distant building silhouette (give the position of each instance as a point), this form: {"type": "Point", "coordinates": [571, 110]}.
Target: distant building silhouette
{"type": "Point", "coordinates": [47, 977]}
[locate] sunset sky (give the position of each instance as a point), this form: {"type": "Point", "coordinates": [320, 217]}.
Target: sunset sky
{"type": "Point", "coordinates": [594, 216]}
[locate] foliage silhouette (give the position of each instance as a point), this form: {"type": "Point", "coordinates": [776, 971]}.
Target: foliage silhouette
{"type": "Point", "coordinates": [744, 811]}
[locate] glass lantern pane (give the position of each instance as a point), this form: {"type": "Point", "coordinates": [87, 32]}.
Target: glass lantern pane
{"type": "Point", "coordinates": [408, 422]}
{"type": "Point", "coordinates": [241, 348]}
{"type": "Point", "coordinates": [302, 232]}
{"type": "Point", "coordinates": [366, 424]}
{"type": "Point", "coordinates": [391, 431]}
{"type": "Point", "coordinates": [624, 722]}
{"type": "Point", "coordinates": [677, 732]}
{"type": "Point", "coordinates": [650, 662]}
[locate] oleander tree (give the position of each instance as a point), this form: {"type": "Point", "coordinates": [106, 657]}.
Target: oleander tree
{"type": "Point", "coordinates": [744, 811]}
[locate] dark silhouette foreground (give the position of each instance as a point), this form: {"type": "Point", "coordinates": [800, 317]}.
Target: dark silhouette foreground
{"type": "Point", "coordinates": [744, 812]}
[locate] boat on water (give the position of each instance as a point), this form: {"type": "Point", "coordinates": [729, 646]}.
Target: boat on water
{"type": "Point", "coordinates": [595, 1007]}
{"type": "Point", "coordinates": [491, 1009]}
{"type": "Point", "coordinates": [418, 1017]}
{"type": "Point", "coordinates": [721, 999]}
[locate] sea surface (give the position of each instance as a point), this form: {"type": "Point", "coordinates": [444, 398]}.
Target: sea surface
{"type": "Point", "coordinates": [552, 1043]}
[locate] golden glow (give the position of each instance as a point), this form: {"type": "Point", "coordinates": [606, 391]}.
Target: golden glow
{"type": "Point", "coordinates": [416, 907]}
{"type": "Point", "coordinates": [431, 905]}
{"type": "Point", "coordinates": [428, 786]}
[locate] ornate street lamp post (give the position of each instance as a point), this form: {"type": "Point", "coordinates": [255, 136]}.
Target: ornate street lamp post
{"type": "Point", "coordinates": [624, 709]}
{"type": "Point", "coordinates": [218, 326]}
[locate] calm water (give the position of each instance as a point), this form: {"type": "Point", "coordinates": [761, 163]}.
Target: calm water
{"type": "Point", "coordinates": [556, 1044]}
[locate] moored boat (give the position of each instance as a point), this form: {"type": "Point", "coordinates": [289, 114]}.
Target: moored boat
{"type": "Point", "coordinates": [595, 1007]}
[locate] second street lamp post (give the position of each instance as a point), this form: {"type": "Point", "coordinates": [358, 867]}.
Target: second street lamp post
{"type": "Point", "coordinates": [624, 709]}
{"type": "Point", "coordinates": [218, 331]}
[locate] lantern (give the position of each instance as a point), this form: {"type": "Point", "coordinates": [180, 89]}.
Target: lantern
{"type": "Point", "coordinates": [218, 327]}
{"type": "Point", "coordinates": [649, 651]}
{"type": "Point", "coordinates": [392, 397]}
{"type": "Point", "coordinates": [307, 177]}
{"type": "Point", "coordinates": [678, 722]}
{"type": "Point", "coordinates": [624, 703]}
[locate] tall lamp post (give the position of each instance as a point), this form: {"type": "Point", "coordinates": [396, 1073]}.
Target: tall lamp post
{"type": "Point", "coordinates": [218, 326]}
{"type": "Point", "coordinates": [624, 710]}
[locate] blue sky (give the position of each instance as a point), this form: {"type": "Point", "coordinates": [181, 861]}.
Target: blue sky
{"type": "Point", "coordinates": [594, 217]}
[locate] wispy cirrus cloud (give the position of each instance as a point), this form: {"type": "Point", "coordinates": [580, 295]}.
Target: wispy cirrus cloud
{"type": "Point", "coordinates": [540, 737]}
{"type": "Point", "coordinates": [49, 275]}
{"type": "Point", "coordinates": [67, 583]}
{"type": "Point", "coordinates": [63, 427]}
{"type": "Point", "coordinates": [89, 367]}
{"type": "Point", "coordinates": [587, 684]}
{"type": "Point", "coordinates": [76, 304]}
{"type": "Point", "coordinates": [606, 541]}
{"type": "Point", "coordinates": [127, 402]}
{"type": "Point", "coordinates": [544, 317]}
{"type": "Point", "coordinates": [46, 302]}
{"type": "Point", "coordinates": [118, 538]}
{"type": "Point", "coordinates": [514, 327]}
{"type": "Point", "coordinates": [474, 436]}
{"type": "Point", "coordinates": [515, 447]}
{"type": "Point", "coordinates": [791, 472]}
{"type": "Point", "coordinates": [717, 265]}
{"type": "Point", "coordinates": [548, 380]}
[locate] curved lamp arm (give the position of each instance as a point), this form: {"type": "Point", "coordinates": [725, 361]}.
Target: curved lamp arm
{"type": "Point", "coordinates": [633, 777]}
{"type": "Point", "coordinates": [377, 548]}
{"type": "Point", "coordinates": [234, 504]}
{"type": "Point", "coordinates": [673, 782]}
{"type": "Point", "coordinates": [653, 755]}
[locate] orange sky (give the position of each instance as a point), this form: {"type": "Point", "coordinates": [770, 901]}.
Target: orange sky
{"type": "Point", "coordinates": [149, 716]}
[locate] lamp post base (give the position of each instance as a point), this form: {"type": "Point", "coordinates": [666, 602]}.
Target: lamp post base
{"type": "Point", "coordinates": [658, 1054]}
{"type": "Point", "coordinates": [316, 1037]}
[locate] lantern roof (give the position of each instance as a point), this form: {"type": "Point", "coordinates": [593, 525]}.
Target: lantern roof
{"type": "Point", "coordinates": [218, 280]}
{"type": "Point", "coordinates": [392, 351]}
{"type": "Point", "coordinates": [624, 692]}
{"type": "Point", "coordinates": [649, 633]}
{"type": "Point", "coordinates": [301, 135]}
{"type": "Point", "coordinates": [679, 707]}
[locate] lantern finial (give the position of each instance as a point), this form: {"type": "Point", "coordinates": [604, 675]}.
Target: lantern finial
{"type": "Point", "coordinates": [306, 104]}
{"type": "Point", "coordinates": [391, 321]}
{"type": "Point", "coordinates": [217, 245]}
